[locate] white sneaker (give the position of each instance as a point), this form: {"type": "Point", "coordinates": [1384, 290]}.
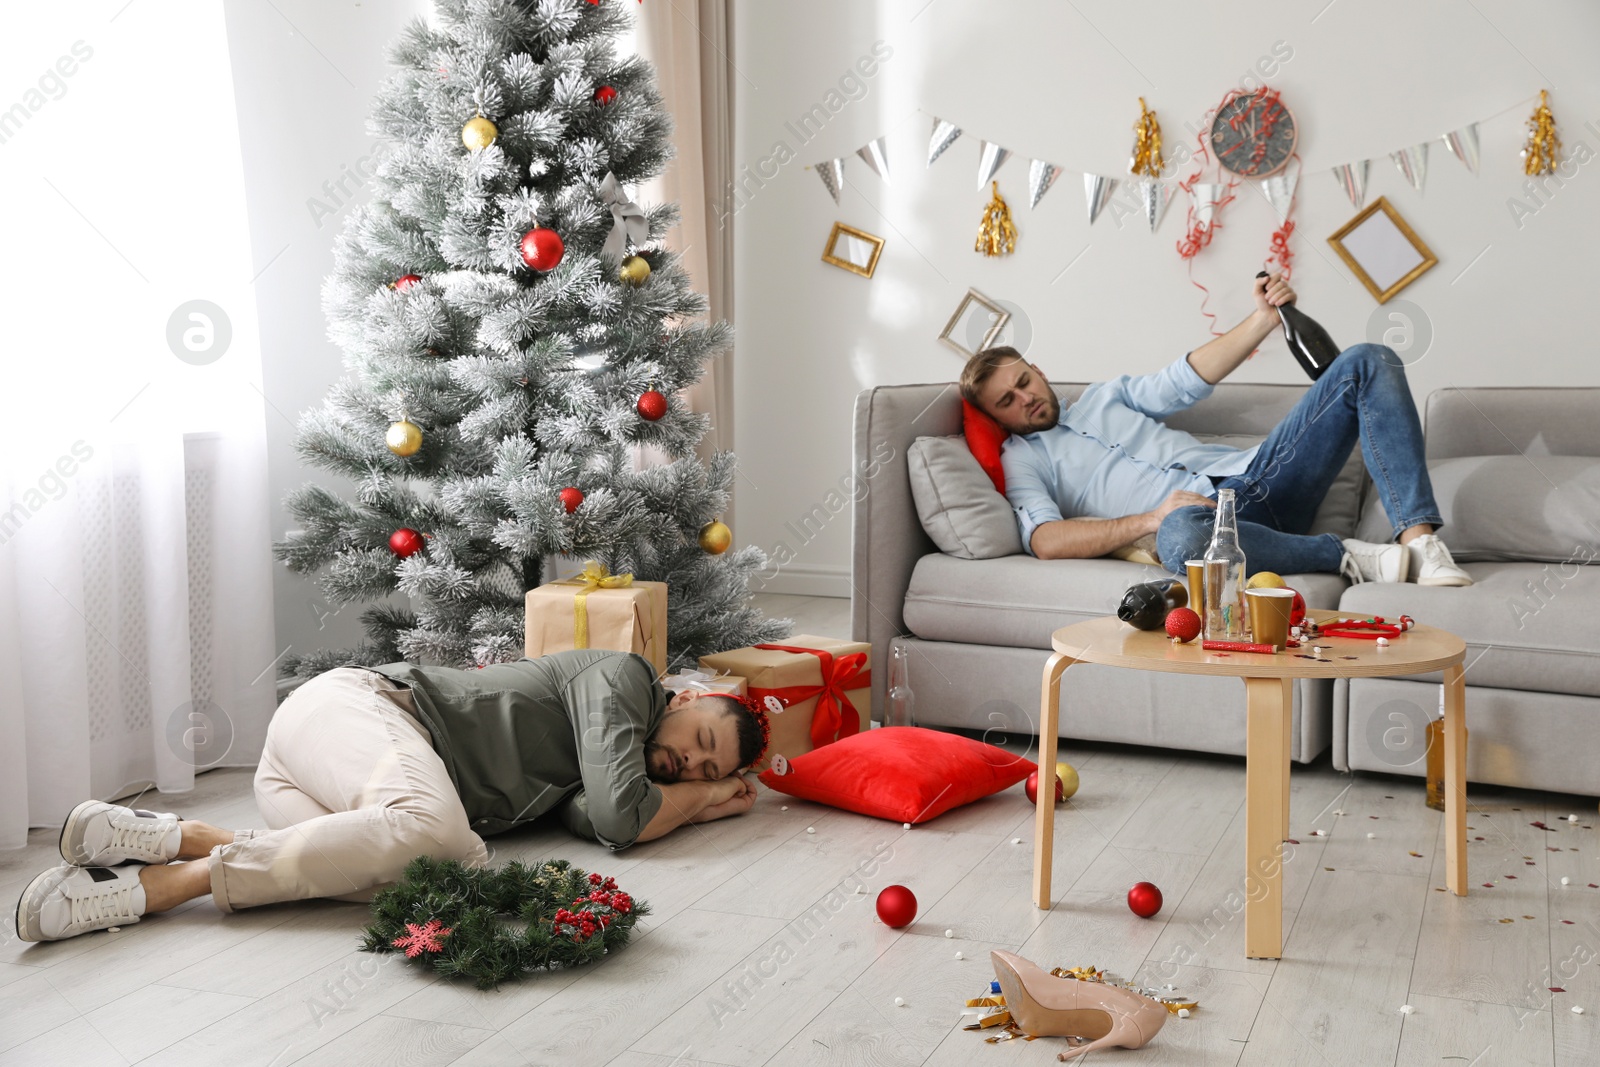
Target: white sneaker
{"type": "Point", "coordinates": [67, 901]}
{"type": "Point", "coordinates": [97, 834]}
{"type": "Point", "coordinates": [1366, 562]}
{"type": "Point", "coordinates": [1431, 561]}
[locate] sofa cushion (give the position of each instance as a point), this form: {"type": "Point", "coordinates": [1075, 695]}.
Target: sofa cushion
{"type": "Point", "coordinates": [957, 503]}
{"type": "Point", "coordinates": [984, 438]}
{"type": "Point", "coordinates": [1537, 509]}
{"type": "Point", "coordinates": [1527, 625]}
{"type": "Point", "coordinates": [1341, 508]}
{"type": "Point", "coordinates": [1020, 601]}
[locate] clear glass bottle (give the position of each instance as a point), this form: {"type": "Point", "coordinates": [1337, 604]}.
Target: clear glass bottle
{"type": "Point", "coordinates": [898, 699]}
{"type": "Point", "coordinates": [1225, 618]}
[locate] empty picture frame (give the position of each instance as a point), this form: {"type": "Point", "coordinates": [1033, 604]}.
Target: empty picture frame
{"type": "Point", "coordinates": [1381, 249]}
{"type": "Point", "coordinates": [853, 250]}
{"type": "Point", "coordinates": [992, 319]}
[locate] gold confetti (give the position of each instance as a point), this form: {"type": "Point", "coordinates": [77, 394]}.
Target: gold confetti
{"type": "Point", "coordinates": [1507, 920]}
{"type": "Point", "coordinates": [996, 1001]}
{"type": "Point", "coordinates": [1418, 854]}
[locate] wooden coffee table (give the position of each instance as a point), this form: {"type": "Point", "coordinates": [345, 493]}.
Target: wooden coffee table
{"type": "Point", "coordinates": [1268, 706]}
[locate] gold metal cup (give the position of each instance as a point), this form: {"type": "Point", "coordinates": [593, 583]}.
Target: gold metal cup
{"type": "Point", "coordinates": [1269, 615]}
{"type": "Point", "coordinates": [1197, 585]}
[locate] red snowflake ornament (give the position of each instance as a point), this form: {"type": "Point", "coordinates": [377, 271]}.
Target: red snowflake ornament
{"type": "Point", "coordinates": [420, 939]}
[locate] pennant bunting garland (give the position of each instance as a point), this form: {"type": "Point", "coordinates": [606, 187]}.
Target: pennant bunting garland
{"type": "Point", "coordinates": [1279, 189]}
{"type": "Point", "coordinates": [832, 174]}
{"type": "Point", "coordinates": [944, 135]}
{"type": "Point", "coordinates": [1352, 178]}
{"type": "Point", "coordinates": [1463, 144]}
{"type": "Point", "coordinates": [1413, 164]}
{"type": "Point", "coordinates": [1154, 197]}
{"type": "Point", "coordinates": [1041, 176]}
{"type": "Point", "coordinates": [1205, 197]}
{"type": "Point", "coordinates": [990, 157]}
{"type": "Point", "coordinates": [1098, 190]}
{"type": "Point", "coordinates": [874, 152]}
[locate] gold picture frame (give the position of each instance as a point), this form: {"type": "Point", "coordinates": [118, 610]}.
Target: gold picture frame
{"type": "Point", "coordinates": [858, 254]}
{"type": "Point", "coordinates": [998, 317]}
{"type": "Point", "coordinates": [1382, 250]}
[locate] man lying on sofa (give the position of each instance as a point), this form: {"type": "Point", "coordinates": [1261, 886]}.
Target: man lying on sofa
{"type": "Point", "coordinates": [1101, 474]}
{"type": "Point", "coordinates": [366, 769]}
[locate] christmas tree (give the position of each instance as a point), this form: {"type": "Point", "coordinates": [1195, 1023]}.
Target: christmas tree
{"type": "Point", "coordinates": [515, 336]}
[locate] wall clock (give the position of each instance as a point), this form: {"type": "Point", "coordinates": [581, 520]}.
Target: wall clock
{"type": "Point", "coordinates": [1253, 134]}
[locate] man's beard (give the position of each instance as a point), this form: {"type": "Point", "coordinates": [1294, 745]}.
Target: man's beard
{"type": "Point", "coordinates": [1049, 413]}
{"type": "Point", "coordinates": [658, 763]}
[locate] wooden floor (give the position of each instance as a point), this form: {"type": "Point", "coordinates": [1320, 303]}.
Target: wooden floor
{"type": "Point", "coordinates": [760, 952]}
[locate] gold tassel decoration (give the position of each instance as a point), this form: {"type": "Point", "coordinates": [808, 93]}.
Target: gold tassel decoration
{"type": "Point", "coordinates": [997, 234]}
{"type": "Point", "coordinates": [1543, 150]}
{"type": "Point", "coordinates": [1147, 159]}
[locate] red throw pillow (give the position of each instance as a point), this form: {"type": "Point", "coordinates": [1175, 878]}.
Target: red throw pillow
{"type": "Point", "coordinates": [984, 438]}
{"type": "Point", "coordinates": [901, 773]}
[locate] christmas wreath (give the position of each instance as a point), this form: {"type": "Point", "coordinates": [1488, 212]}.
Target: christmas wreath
{"type": "Point", "coordinates": [496, 925]}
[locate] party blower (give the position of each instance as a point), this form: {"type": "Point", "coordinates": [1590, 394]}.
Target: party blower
{"type": "Point", "coordinates": [1306, 339]}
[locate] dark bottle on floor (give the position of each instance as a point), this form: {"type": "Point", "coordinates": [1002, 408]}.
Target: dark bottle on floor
{"type": "Point", "coordinates": [1145, 606]}
{"type": "Point", "coordinates": [1306, 339]}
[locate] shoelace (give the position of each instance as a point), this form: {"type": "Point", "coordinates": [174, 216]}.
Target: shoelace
{"type": "Point", "coordinates": [1433, 551]}
{"type": "Point", "coordinates": [105, 904]}
{"type": "Point", "coordinates": [137, 837]}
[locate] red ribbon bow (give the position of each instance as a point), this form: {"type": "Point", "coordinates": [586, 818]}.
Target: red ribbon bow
{"type": "Point", "coordinates": [829, 722]}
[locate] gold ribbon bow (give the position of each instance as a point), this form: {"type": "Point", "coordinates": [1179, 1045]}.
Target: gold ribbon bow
{"type": "Point", "coordinates": [593, 576]}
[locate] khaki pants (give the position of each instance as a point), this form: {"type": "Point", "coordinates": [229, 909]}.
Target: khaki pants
{"type": "Point", "coordinates": [352, 790]}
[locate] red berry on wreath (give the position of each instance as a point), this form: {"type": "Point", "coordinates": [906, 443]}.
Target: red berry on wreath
{"type": "Point", "coordinates": [1183, 624]}
{"type": "Point", "coordinates": [604, 95]}
{"type": "Point", "coordinates": [571, 497]}
{"type": "Point", "coordinates": [651, 406]}
{"type": "Point", "coordinates": [405, 281]}
{"type": "Point", "coordinates": [542, 248]}
{"type": "Point", "coordinates": [405, 542]}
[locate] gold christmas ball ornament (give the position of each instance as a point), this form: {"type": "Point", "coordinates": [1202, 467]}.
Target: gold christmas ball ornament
{"type": "Point", "coordinates": [635, 270]}
{"type": "Point", "coordinates": [715, 537]}
{"type": "Point", "coordinates": [479, 133]}
{"type": "Point", "coordinates": [404, 438]}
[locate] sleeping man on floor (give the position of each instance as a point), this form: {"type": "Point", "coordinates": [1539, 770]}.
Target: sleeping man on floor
{"type": "Point", "coordinates": [366, 769]}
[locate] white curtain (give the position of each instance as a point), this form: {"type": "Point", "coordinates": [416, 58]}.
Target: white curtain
{"type": "Point", "coordinates": [135, 601]}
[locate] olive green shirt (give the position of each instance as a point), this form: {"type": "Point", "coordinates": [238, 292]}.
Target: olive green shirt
{"type": "Point", "coordinates": [565, 731]}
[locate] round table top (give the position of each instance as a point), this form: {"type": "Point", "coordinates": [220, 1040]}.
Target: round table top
{"type": "Point", "coordinates": [1113, 642]}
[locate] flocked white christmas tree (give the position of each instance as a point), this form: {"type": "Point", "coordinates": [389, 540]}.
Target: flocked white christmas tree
{"type": "Point", "coordinates": [512, 358]}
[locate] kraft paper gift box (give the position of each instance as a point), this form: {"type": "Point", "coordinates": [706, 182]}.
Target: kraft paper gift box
{"type": "Point", "coordinates": [599, 610]}
{"type": "Point", "coordinates": [705, 682]}
{"type": "Point", "coordinates": [815, 689]}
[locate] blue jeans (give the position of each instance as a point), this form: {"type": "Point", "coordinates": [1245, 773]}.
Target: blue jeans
{"type": "Point", "coordinates": [1363, 396]}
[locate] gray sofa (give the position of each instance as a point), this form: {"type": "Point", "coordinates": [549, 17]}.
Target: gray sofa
{"type": "Point", "coordinates": [978, 630]}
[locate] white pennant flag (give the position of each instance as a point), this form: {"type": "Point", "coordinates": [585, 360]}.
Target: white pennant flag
{"type": "Point", "coordinates": [1413, 163]}
{"type": "Point", "coordinates": [1463, 144]}
{"type": "Point", "coordinates": [1041, 176]}
{"type": "Point", "coordinates": [1352, 178]}
{"type": "Point", "coordinates": [944, 135]}
{"type": "Point", "coordinates": [875, 153]}
{"type": "Point", "coordinates": [989, 161]}
{"type": "Point", "coordinates": [1279, 189]}
{"type": "Point", "coordinates": [832, 174]}
{"type": "Point", "coordinates": [1154, 196]}
{"type": "Point", "coordinates": [1204, 196]}
{"type": "Point", "coordinates": [1098, 189]}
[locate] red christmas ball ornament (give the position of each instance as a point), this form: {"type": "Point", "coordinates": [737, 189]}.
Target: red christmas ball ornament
{"type": "Point", "coordinates": [1144, 899]}
{"type": "Point", "coordinates": [897, 906]}
{"type": "Point", "coordinates": [651, 406]}
{"type": "Point", "coordinates": [1297, 611]}
{"type": "Point", "coordinates": [1031, 787]}
{"type": "Point", "coordinates": [604, 95]}
{"type": "Point", "coordinates": [1183, 624]}
{"type": "Point", "coordinates": [405, 542]}
{"type": "Point", "coordinates": [542, 249]}
{"type": "Point", "coordinates": [571, 497]}
{"type": "Point", "coordinates": [405, 281]}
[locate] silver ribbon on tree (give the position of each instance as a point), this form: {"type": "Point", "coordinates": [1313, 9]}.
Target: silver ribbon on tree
{"type": "Point", "coordinates": [627, 220]}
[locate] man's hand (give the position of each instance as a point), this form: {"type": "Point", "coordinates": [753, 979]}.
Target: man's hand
{"type": "Point", "coordinates": [741, 798]}
{"type": "Point", "coordinates": [1179, 498]}
{"type": "Point", "coordinates": [1270, 292]}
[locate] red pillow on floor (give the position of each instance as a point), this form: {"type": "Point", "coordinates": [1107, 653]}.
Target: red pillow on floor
{"type": "Point", "coordinates": [901, 773]}
{"type": "Point", "coordinates": [984, 438]}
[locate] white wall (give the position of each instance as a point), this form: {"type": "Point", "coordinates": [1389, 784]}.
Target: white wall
{"type": "Point", "coordinates": [305, 74]}
{"type": "Point", "coordinates": [1509, 303]}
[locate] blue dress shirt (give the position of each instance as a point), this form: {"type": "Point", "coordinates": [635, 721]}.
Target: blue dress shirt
{"type": "Point", "coordinates": [1109, 456]}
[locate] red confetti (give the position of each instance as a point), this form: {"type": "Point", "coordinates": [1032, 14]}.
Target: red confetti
{"type": "Point", "coordinates": [1512, 877]}
{"type": "Point", "coordinates": [1542, 826]}
{"type": "Point", "coordinates": [1529, 863]}
{"type": "Point", "coordinates": [1593, 886]}
{"type": "Point", "coordinates": [1557, 989]}
{"type": "Point", "coordinates": [1292, 841]}
{"type": "Point", "coordinates": [1566, 922]}
{"type": "Point", "coordinates": [1488, 885]}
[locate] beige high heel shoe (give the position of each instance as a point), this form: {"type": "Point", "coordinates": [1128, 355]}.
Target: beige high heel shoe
{"type": "Point", "coordinates": [1046, 1006]}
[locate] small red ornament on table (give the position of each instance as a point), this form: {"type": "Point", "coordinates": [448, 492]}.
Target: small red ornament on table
{"type": "Point", "coordinates": [652, 405]}
{"type": "Point", "coordinates": [897, 906]}
{"type": "Point", "coordinates": [1183, 624]}
{"type": "Point", "coordinates": [405, 542]}
{"type": "Point", "coordinates": [542, 249]}
{"type": "Point", "coordinates": [1144, 899]}
{"type": "Point", "coordinates": [571, 497]}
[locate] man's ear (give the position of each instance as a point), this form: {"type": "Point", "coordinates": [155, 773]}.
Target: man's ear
{"type": "Point", "coordinates": [679, 699]}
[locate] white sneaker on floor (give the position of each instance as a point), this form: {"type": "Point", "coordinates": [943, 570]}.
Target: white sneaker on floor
{"type": "Point", "coordinates": [1431, 561]}
{"type": "Point", "coordinates": [67, 901]}
{"type": "Point", "coordinates": [101, 834]}
{"type": "Point", "coordinates": [1367, 562]}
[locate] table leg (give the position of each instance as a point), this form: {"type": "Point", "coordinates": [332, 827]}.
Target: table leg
{"type": "Point", "coordinates": [1267, 711]}
{"type": "Point", "coordinates": [1455, 779]}
{"type": "Point", "coordinates": [1288, 747]}
{"type": "Point", "coordinates": [1044, 824]}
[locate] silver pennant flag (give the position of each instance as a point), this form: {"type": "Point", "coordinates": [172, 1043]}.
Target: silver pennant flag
{"type": "Point", "coordinates": [1098, 190]}
{"type": "Point", "coordinates": [832, 175]}
{"type": "Point", "coordinates": [1279, 189]}
{"type": "Point", "coordinates": [1413, 163]}
{"type": "Point", "coordinates": [1463, 144]}
{"type": "Point", "coordinates": [944, 135]}
{"type": "Point", "coordinates": [1041, 176]}
{"type": "Point", "coordinates": [1204, 196]}
{"type": "Point", "coordinates": [1352, 178]}
{"type": "Point", "coordinates": [989, 160]}
{"type": "Point", "coordinates": [876, 157]}
{"type": "Point", "coordinates": [1154, 196]}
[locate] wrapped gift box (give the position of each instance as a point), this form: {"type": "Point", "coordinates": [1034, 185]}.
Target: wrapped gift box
{"type": "Point", "coordinates": [815, 689]}
{"type": "Point", "coordinates": [599, 610]}
{"type": "Point", "coordinates": [705, 682]}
